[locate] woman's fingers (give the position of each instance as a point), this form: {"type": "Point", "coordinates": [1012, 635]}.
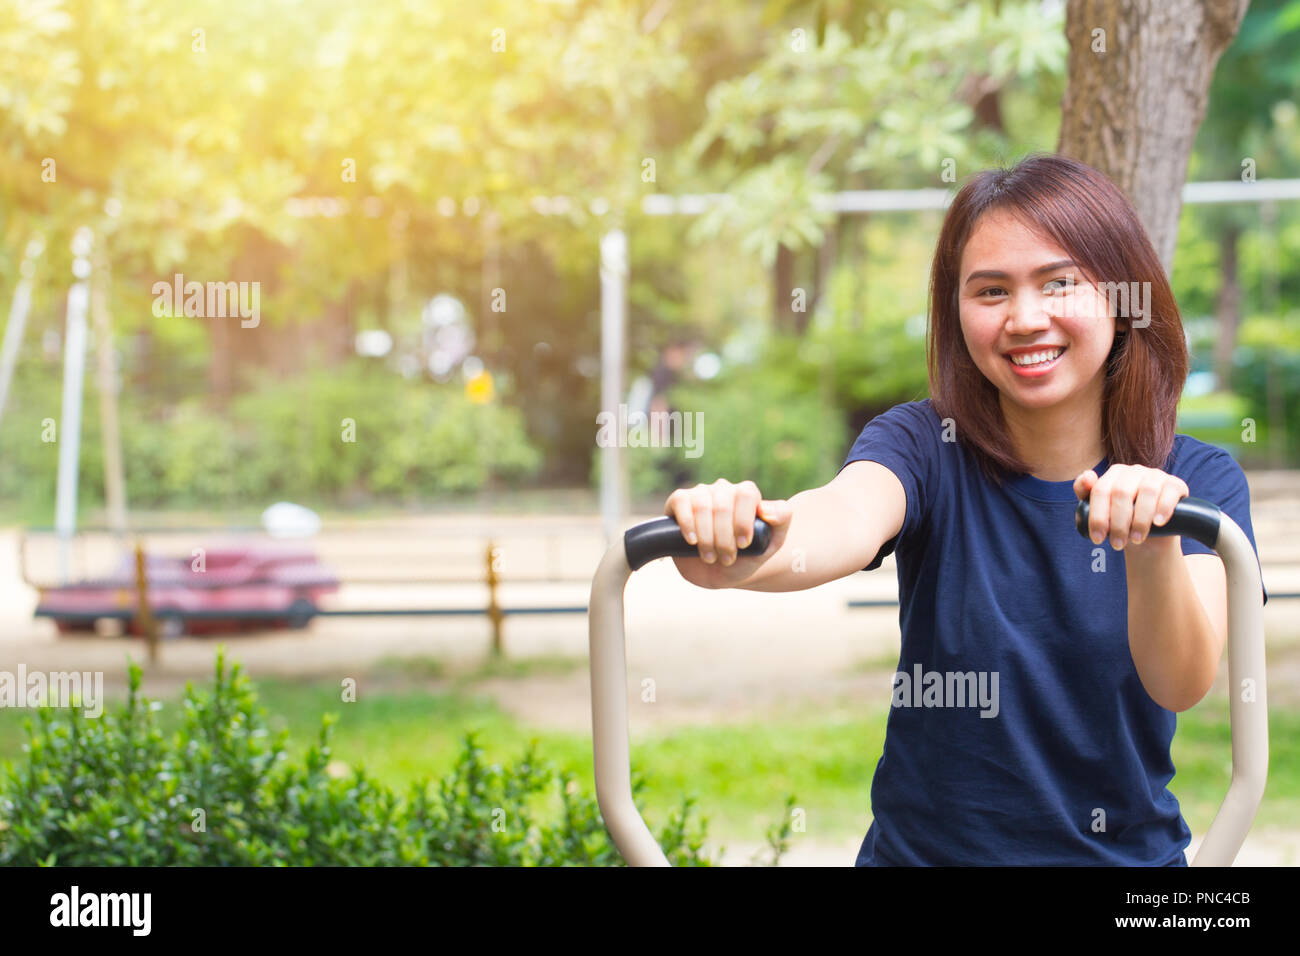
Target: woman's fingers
{"type": "Point", "coordinates": [1098, 514]}
{"type": "Point", "coordinates": [678, 507]}
{"type": "Point", "coordinates": [702, 509]}
{"type": "Point", "coordinates": [1128, 501]}
{"type": "Point", "coordinates": [775, 513]}
{"type": "Point", "coordinates": [747, 499]}
{"type": "Point", "coordinates": [719, 518]}
{"type": "Point", "coordinates": [1083, 484]}
{"type": "Point", "coordinates": [724, 532]}
{"type": "Point", "coordinates": [1170, 495]}
{"type": "Point", "coordinates": [1144, 511]}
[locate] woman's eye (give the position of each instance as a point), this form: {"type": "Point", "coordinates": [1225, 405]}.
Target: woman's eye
{"type": "Point", "coordinates": [993, 290]}
{"type": "Point", "coordinates": [1060, 285]}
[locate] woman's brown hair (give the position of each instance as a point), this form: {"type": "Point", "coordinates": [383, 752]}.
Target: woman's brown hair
{"type": "Point", "coordinates": [1091, 219]}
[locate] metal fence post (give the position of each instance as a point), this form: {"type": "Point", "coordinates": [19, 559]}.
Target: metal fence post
{"type": "Point", "coordinates": [144, 614]}
{"type": "Point", "coordinates": [493, 609]}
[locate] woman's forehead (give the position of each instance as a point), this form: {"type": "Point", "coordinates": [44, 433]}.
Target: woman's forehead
{"type": "Point", "coordinates": [999, 232]}
{"type": "Point", "coordinates": [1003, 239]}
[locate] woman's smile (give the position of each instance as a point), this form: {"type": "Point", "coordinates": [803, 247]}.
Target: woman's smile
{"type": "Point", "coordinates": [1035, 362]}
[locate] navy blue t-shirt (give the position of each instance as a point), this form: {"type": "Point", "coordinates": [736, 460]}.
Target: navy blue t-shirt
{"type": "Point", "coordinates": [1019, 731]}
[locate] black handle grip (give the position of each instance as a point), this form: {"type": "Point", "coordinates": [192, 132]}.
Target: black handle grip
{"type": "Point", "coordinates": [1192, 517]}
{"type": "Point", "coordinates": [662, 538]}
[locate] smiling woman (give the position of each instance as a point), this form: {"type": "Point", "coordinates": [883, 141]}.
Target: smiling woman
{"type": "Point", "coordinates": [1046, 389]}
{"type": "Point", "coordinates": [1028, 262]}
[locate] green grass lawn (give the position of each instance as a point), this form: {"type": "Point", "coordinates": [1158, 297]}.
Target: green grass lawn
{"type": "Point", "coordinates": [740, 774]}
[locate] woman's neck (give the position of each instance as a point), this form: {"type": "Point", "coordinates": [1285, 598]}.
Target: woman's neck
{"type": "Point", "coordinates": [1060, 442]}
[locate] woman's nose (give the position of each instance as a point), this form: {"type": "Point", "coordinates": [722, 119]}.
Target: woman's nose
{"type": "Point", "coordinates": [1028, 313]}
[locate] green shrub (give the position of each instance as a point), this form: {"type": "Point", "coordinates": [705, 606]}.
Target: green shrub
{"type": "Point", "coordinates": [222, 790]}
{"type": "Point", "coordinates": [764, 422]}
{"type": "Point", "coordinates": [413, 440]}
{"type": "Point", "coordinates": [1267, 374]}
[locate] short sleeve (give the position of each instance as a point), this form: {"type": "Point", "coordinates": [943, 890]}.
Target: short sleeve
{"type": "Point", "coordinates": [904, 440]}
{"type": "Point", "coordinates": [1218, 479]}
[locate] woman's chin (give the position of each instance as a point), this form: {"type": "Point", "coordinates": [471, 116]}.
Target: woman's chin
{"type": "Point", "coordinates": [1046, 396]}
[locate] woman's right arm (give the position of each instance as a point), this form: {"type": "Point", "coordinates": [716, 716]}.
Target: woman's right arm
{"type": "Point", "coordinates": [819, 535]}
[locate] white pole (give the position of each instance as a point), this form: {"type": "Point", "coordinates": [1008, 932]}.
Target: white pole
{"type": "Point", "coordinates": [74, 367]}
{"type": "Point", "coordinates": [110, 432]}
{"type": "Point", "coordinates": [613, 327]}
{"type": "Point", "coordinates": [18, 317]}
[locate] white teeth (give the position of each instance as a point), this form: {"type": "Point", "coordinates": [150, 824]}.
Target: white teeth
{"type": "Point", "coordinates": [1036, 358]}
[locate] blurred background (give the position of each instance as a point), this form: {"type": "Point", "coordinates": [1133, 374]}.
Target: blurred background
{"type": "Point", "coordinates": [405, 205]}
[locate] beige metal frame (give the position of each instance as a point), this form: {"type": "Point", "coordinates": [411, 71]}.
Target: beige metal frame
{"type": "Point", "coordinates": [1248, 699]}
{"type": "Point", "coordinates": [1246, 680]}
{"type": "Point", "coordinates": [609, 731]}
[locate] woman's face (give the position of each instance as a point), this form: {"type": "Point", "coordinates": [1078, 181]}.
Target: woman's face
{"type": "Point", "coordinates": [1034, 325]}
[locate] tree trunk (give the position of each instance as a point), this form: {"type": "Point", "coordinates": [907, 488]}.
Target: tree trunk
{"type": "Point", "coordinates": [1139, 78]}
{"type": "Point", "coordinates": [337, 326]}
{"type": "Point", "coordinates": [782, 289]}
{"type": "Point", "coordinates": [220, 364]}
{"type": "Point", "coordinates": [988, 111]}
{"type": "Point", "coordinates": [981, 92]}
{"type": "Point", "coordinates": [824, 269]}
{"type": "Point", "coordinates": [1227, 307]}
{"type": "Point", "coordinates": [860, 254]}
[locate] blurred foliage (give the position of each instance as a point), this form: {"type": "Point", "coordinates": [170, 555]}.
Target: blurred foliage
{"type": "Point", "coordinates": [875, 98]}
{"type": "Point", "coordinates": [1217, 418]}
{"type": "Point", "coordinates": [223, 791]}
{"type": "Point", "coordinates": [1251, 131]}
{"type": "Point", "coordinates": [491, 146]}
{"type": "Point", "coordinates": [1267, 375]}
{"type": "Point", "coordinates": [413, 440]}
{"type": "Point", "coordinates": [870, 327]}
{"type": "Point", "coordinates": [211, 139]}
{"type": "Point", "coordinates": [760, 422]}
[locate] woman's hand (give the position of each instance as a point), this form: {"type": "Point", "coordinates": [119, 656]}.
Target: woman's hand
{"type": "Point", "coordinates": [1127, 501]}
{"type": "Point", "coordinates": [719, 518]}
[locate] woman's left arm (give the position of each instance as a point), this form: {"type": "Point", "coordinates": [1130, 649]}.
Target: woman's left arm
{"type": "Point", "coordinates": [1177, 604]}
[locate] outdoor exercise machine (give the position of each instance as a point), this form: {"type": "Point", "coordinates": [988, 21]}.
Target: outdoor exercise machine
{"type": "Point", "coordinates": [1193, 517]}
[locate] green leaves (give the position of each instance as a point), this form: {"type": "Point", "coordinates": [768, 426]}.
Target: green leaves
{"type": "Point", "coordinates": [222, 791]}
{"type": "Point", "coordinates": [889, 107]}
{"type": "Point", "coordinates": [767, 207]}
{"type": "Point", "coordinates": [413, 439]}
{"type": "Point", "coordinates": [37, 73]}
{"type": "Point", "coordinates": [770, 422]}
